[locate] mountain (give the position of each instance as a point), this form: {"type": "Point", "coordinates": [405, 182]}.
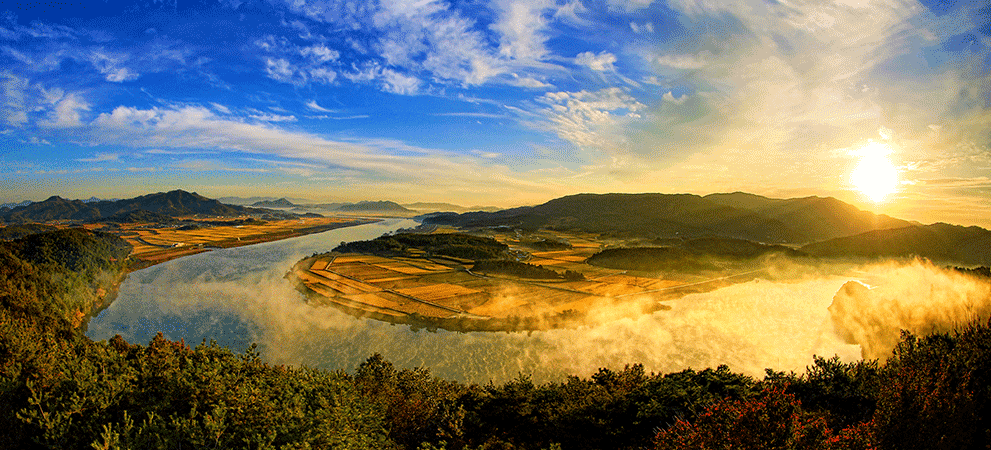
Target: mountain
{"type": "Point", "coordinates": [53, 208]}
{"type": "Point", "coordinates": [813, 218]}
{"type": "Point", "coordinates": [248, 201]}
{"type": "Point", "coordinates": [318, 206]}
{"type": "Point", "coordinates": [374, 206]}
{"type": "Point", "coordinates": [280, 203]}
{"type": "Point", "coordinates": [425, 207]}
{"type": "Point", "coordinates": [939, 242]}
{"type": "Point", "coordinates": [646, 215]}
{"type": "Point", "coordinates": [172, 204]}
{"type": "Point", "coordinates": [737, 215]}
{"type": "Point", "coordinates": [14, 205]}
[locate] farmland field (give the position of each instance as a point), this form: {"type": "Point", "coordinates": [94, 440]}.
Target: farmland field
{"type": "Point", "coordinates": [156, 245]}
{"type": "Point", "coordinates": [424, 289]}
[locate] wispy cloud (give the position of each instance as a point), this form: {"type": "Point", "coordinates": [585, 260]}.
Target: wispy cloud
{"type": "Point", "coordinates": [101, 157]}
{"type": "Point", "coordinates": [381, 162]}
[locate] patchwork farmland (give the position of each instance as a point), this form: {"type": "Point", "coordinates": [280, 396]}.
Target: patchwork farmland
{"type": "Point", "coordinates": [428, 290]}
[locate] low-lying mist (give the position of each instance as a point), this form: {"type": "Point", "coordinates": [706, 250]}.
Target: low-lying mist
{"type": "Point", "coordinates": [916, 296]}
{"type": "Point", "coordinates": [778, 321]}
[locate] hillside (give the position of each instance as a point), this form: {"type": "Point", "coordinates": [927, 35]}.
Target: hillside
{"type": "Point", "coordinates": [938, 242]}
{"type": "Point", "coordinates": [814, 218]}
{"type": "Point", "coordinates": [172, 204]}
{"type": "Point", "coordinates": [739, 215]}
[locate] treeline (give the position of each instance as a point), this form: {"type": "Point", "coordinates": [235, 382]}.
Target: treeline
{"type": "Point", "coordinates": [457, 245]}
{"type": "Point", "coordinates": [524, 270]}
{"type": "Point", "coordinates": [690, 255]}
{"type": "Point", "coordinates": [12, 232]}
{"type": "Point", "coordinates": [58, 389]}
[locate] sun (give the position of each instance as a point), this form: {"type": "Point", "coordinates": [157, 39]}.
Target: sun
{"type": "Point", "coordinates": [875, 177]}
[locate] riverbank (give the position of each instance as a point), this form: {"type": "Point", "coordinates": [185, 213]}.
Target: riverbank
{"type": "Point", "coordinates": [157, 245]}
{"type": "Point", "coordinates": [198, 241]}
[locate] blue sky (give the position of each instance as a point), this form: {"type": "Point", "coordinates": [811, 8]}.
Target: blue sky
{"type": "Point", "coordinates": [497, 102]}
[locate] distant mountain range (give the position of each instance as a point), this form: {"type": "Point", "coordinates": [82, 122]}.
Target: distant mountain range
{"type": "Point", "coordinates": [171, 204]}
{"type": "Point", "coordinates": [447, 207]}
{"type": "Point", "coordinates": [248, 201]}
{"type": "Point", "coordinates": [374, 206]}
{"type": "Point", "coordinates": [280, 203]}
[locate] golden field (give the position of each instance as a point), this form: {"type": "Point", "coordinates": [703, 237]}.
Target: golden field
{"type": "Point", "coordinates": [444, 290]}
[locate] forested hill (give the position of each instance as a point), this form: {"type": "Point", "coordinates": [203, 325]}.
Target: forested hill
{"type": "Point", "coordinates": [938, 242]}
{"type": "Point", "coordinates": [79, 268]}
{"type": "Point", "coordinates": [739, 215]}
{"type": "Point", "coordinates": [173, 204]}
{"type": "Point", "coordinates": [60, 390]}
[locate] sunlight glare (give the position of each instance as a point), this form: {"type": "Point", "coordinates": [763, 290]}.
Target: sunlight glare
{"type": "Point", "coordinates": [875, 177]}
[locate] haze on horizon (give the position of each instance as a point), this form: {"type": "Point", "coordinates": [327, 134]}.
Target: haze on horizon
{"type": "Point", "coordinates": [500, 103]}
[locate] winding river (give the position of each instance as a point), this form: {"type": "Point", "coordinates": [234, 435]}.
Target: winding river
{"type": "Point", "coordinates": [238, 296]}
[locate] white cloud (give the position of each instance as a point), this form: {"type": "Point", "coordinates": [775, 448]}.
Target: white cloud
{"type": "Point", "coordinates": [387, 79]}
{"type": "Point", "coordinates": [522, 28]}
{"type": "Point", "coordinates": [320, 53]}
{"type": "Point", "coordinates": [67, 112]}
{"type": "Point", "coordinates": [383, 164]}
{"type": "Point", "coordinates": [398, 83]}
{"type": "Point", "coordinates": [629, 6]}
{"type": "Point", "coordinates": [528, 82]}
{"type": "Point", "coordinates": [323, 75]}
{"type": "Point", "coordinates": [669, 97]}
{"type": "Point", "coordinates": [273, 117]}
{"type": "Point", "coordinates": [644, 28]}
{"type": "Point", "coordinates": [594, 120]}
{"type": "Point", "coordinates": [599, 62]}
{"type": "Point", "coordinates": [109, 64]}
{"type": "Point", "coordinates": [431, 40]}
{"type": "Point", "coordinates": [684, 62]}
{"type": "Point", "coordinates": [14, 107]}
{"type": "Point", "coordinates": [312, 104]}
{"type": "Point", "coordinates": [221, 108]}
{"type": "Point", "coordinates": [37, 141]}
{"type": "Point", "coordinates": [279, 69]}
{"type": "Point", "coordinates": [120, 75]}
{"type": "Point", "coordinates": [101, 157]}
{"type": "Point", "coordinates": [571, 13]}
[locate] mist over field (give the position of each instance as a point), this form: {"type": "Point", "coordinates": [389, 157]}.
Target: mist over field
{"type": "Point", "coordinates": [777, 321]}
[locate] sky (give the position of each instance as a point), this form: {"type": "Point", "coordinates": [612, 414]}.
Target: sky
{"type": "Point", "coordinates": [502, 103]}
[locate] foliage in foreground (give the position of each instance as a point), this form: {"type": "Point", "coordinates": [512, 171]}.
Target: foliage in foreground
{"type": "Point", "coordinates": [59, 389]}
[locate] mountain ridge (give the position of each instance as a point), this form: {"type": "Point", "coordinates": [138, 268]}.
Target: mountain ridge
{"type": "Point", "coordinates": [172, 204]}
{"type": "Point", "coordinates": [735, 215]}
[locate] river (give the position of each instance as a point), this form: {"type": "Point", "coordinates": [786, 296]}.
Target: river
{"type": "Point", "coordinates": [239, 296]}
